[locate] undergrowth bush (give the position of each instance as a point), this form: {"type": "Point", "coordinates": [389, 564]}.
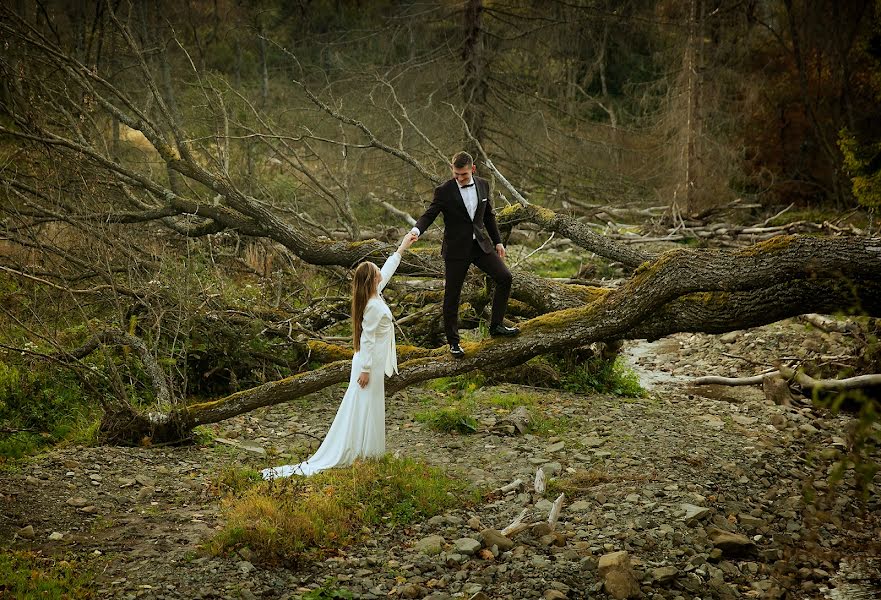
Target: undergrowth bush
{"type": "Point", "coordinates": [295, 519]}
{"type": "Point", "coordinates": [41, 406]}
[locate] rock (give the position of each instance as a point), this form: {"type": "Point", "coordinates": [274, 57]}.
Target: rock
{"type": "Point", "coordinates": [664, 574]}
{"type": "Point", "coordinates": [592, 442]}
{"type": "Point", "coordinates": [580, 506]}
{"type": "Point", "coordinates": [613, 560]}
{"type": "Point", "coordinates": [145, 493]}
{"type": "Point", "coordinates": [26, 532]}
{"type": "Point", "coordinates": [467, 546]}
{"type": "Point", "coordinates": [475, 524]}
{"type": "Point", "coordinates": [89, 510]}
{"type": "Point", "coordinates": [544, 505]}
{"type": "Point", "coordinates": [77, 502]}
{"type": "Point", "coordinates": [430, 545]}
{"type": "Point", "coordinates": [412, 590]}
{"type": "Point", "coordinates": [556, 447]}
{"type": "Point", "coordinates": [541, 529]}
{"type": "Point", "coordinates": [552, 468]}
{"type": "Point", "coordinates": [245, 567]}
{"type": "Point", "coordinates": [731, 544]}
{"type": "Point", "coordinates": [693, 513]}
{"type": "Point", "coordinates": [477, 596]}
{"type": "Point", "coordinates": [55, 536]}
{"type": "Point", "coordinates": [730, 337]}
{"type": "Point", "coordinates": [492, 537]}
{"type": "Point", "coordinates": [554, 595]}
{"type": "Point", "coordinates": [777, 390]}
{"type": "Point", "coordinates": [145, 480]}
{"type": "Point", "coordinates": [621, 584]}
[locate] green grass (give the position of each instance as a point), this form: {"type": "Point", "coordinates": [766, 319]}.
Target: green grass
{"type": "Point", "coordinates": [455, 417]}
{"type": "Point", "coordinates": [26, 576]}
{"type": "Point", "coordinates": [328, 591]}
{"type": "Point", "coordinates": [297, 519]}
{"type": "Point", "coordinates": [604, 377]}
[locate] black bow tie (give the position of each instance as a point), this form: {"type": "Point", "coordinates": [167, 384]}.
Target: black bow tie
{"type": "Point", "coordinates": [467, 185]}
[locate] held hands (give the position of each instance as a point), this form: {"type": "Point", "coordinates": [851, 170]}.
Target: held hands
{"type": "Point", "coordinates": [500, 250]}
{"type": "Point", "coordinates": [364, 379]}
{"type": "Point", "coordinates": [408, 241]}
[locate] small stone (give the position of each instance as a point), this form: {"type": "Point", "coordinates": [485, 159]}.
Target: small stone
{"type": "Point", "coordinates": [731, 544]}
{"type": "Point", "coordinates": [554, 595]}
{"type": "Point", "coordinates": [26, 532]}
{"type": "Point", "coordinates": [541, 529]}
{"type": "Point", "coordinates": [580, 506]}
{"type": "Point", "coordinates": [77, 502]}
{"type": "Point", "coordinates": [430, 545]}
{"type": "Point", "coordinates": [613, 560]}
{"type": "Point", "coordinates": [556, 447]}
{"type": "Point", "coordinates": [475, 524]}
{"type": "Point", "coordinates": [467, 546]}
{"type": "Point", "coordinates": [411, 590]}
{"type": "Point", "coordinates": [493, 537]}
{"type": "Point", "coordinates": [89, 510]}
{"type": "Point", "coordinates": [55, 536]}
{"type": "Point", "coordinates": [693, 513]}
{"type": "Point", "coordinates": [144, 480]}
{"type": "Point", "coordinates": [245, 567]}
{"type": "Point", "coordinates": [664, 574]}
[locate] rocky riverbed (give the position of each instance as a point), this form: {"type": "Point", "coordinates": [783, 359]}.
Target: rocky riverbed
{"type": "Point", "coordinates": [689, 492]}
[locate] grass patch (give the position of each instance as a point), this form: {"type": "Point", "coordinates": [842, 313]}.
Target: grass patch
{"type": "Point", "coordinates": [604, 377]}
{"type": "Point", "coordinates": [297, 519]}
{"type": "Point", "coordinates": [456, 416]}
{"type": "Point", "coordinates": [328, 591]}
{"type": "Point", "coordinates": [579, 482]}
{"type": "Point", "coordinates": [461, 385]}
{"type": "Point", "coordinates": [24, 576]}
{"type": "Point", "coordinates": [235, 481]}
{"type": "Point", "coordinates": [512, 400]}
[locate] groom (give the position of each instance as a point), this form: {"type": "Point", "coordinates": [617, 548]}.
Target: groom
{"type": "Point", "coordinates": [471, 236]}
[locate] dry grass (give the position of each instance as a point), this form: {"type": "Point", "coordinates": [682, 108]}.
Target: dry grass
{"type": "Point", "coordinates": [297, 519]}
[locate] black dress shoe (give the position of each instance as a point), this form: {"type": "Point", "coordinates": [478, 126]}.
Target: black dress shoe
{"type": "Point", "coordinates": [502, 331]}
{"type": "Point", "coordinates": [456, 351]}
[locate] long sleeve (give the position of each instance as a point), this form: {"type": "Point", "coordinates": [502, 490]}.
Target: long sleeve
{"type": "Point", "coordinates": [388, 269]}
{"type": "Point", "coordinates": [369, 325]}
{"type": "Point", "coordinates": [431, 213]}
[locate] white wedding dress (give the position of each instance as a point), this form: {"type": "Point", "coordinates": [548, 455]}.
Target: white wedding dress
{"type": "Point", "coordinates": [358, 430]}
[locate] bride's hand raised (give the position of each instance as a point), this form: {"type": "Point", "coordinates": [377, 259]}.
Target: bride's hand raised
{"type": "Point", "coordinates": [408, 241]}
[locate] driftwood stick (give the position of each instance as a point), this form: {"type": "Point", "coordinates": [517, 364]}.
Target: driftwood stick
{"type": "Point", "coordinates": [850, 383]}
{"type": "Point", "coordinates": [555, 511]}
{"type": "Point", "coordinates": [514, 485]}
{"type": "Point", "coordinates": [517, 525]}
{"type": "Point", "coordinates": [540, 481]}
{"type": "Point", "coordinates": [734, 381]}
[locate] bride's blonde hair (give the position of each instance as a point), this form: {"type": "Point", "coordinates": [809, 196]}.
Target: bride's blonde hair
{"type": "Point", "coordinates": [363, 286]}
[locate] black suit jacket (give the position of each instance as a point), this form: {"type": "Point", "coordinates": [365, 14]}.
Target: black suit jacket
{"type": "Point", "coordinates": [459, 229]}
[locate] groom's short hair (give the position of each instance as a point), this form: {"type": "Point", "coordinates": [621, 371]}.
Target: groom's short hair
{"type": "Point", "coordinates": [462, 159]}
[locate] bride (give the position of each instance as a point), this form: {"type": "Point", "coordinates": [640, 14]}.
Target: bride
{"type": "Point", "coordinates": [358, 430]}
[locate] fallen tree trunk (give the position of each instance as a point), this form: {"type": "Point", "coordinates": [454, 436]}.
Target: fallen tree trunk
{"type": "Point", "coordinates": [614, 314]}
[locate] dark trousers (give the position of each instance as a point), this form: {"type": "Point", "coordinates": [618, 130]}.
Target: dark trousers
{"type": "Point", "coordinates": [455, 271]}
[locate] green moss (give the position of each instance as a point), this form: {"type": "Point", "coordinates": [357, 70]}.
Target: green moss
{"type": "Point", "coordinates": [774, 244]}
{"type": "Point", "coordinates": [326, 352]}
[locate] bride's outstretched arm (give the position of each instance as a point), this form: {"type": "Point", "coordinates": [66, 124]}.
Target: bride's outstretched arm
{"type": "Point", "coordinates": [391, 264]}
